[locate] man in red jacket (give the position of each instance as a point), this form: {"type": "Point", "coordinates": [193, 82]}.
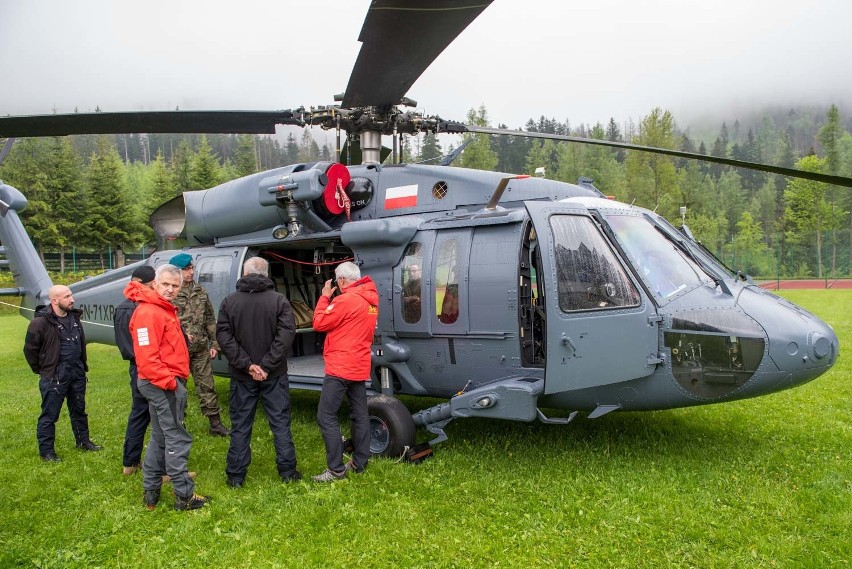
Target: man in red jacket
{"type": "Point", "coordinates": [162, 360]}
{"type": "Point", "coordinates": [350, 321]}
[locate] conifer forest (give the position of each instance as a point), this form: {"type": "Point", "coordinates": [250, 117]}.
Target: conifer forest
{"type": "Point", "coordinates": [93, 193]}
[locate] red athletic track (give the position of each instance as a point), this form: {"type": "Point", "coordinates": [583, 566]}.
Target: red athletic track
{"type": "Point", "coordinates": [808, 284]}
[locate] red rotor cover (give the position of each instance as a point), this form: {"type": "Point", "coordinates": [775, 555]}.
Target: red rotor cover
{"type": "Point", "coordinates": [338, 176]}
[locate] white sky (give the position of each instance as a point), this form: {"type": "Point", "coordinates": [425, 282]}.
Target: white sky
{"type": "Point", "coordinates": [582, 61]}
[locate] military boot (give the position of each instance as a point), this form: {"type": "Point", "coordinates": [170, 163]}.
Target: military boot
{"type": "Point", "coordinates": [192, 502]}
{"type": "Point", "coordinates": [217, 428]}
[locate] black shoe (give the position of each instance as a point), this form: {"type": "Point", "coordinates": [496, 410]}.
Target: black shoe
{"type": "Point", "coordinates": [90, 446]}
{"type": "Point", "coordinates": [151, 498]}
{"type": "Point", "coordinates": [235, 483]}
{"type": "Point", "coordinates": [293, 476]}
{"type": "Point", "coordinates": [193, 502]}
{"type": "Point", "coordinates": [50, 456]}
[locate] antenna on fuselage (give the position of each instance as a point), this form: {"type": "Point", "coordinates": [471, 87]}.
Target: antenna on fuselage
{"type": "Point", "coordinates": [501, 187]}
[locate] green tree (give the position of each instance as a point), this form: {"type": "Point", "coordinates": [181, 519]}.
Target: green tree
{"type": "Point", "coordinates": [652, 176]}
{"type": "Point", "coordinates": [750, 251]}
{"type": "Point", "coordinates": [570, 162]}
{"type": "Point", "coordinates": [245, 155]}
{"type": "Point", "coordinates": [543, 154]}
{"type": "Point", "coordinates": [182, 166]}
{"type": "Point", "coordinates": [206, 172]}
{"type": "Point", "coordinates": [68, 200]}
{"type": "Point", "coordinates": [308, 149]}
{"type": "Point", "coordinates": [478, 153]}
{"type": "Point", "coordinates": [291, 150]}
{"type": "Point", "coordinates": [732, 202]}
{"type": "Point", "coordinates": [601, 165]}
{"type": "Point", "coordinates": [164, 185]}
{"type": "Point", "coordinates": [829, 137]}
{"type": "Point", "coordinates": [696, 189]}
{"type": "Point", "coordinates": [431, 150]}
{"type": "Point", "coordinates": [808, 214]}
{"type": "Point", "coordinates": [113, 219]}
{"type": "Point", "coordinates": [24, 169]}
{"type": "Point", "coordinates": [710, 229]}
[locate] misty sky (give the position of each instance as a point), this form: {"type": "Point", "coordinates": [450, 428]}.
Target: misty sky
{"type": "Point", "coordinates": [577, 61]}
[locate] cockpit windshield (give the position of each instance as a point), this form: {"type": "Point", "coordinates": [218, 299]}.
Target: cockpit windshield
{"type": "Point", "coordinates": [665, 269]}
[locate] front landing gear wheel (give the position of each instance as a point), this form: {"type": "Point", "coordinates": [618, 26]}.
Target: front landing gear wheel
{"type": "Point", "coordinates": [391, 426]}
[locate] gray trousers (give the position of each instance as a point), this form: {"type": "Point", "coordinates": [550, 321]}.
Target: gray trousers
{"type": "Point", "coordinates": [333, 390]}
{"type": "Point", "coordinates": [170, 443]}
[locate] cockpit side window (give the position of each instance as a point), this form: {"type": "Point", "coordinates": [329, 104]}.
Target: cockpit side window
{"type": "Point", "coordinates": [588, 273]}
{"type": "Point", "coordinates": [665, 270]}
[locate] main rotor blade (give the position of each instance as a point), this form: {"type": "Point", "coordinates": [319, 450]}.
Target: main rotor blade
{"type": "Point", "coordinates": [792, 172]}
{"type": "Point", "coordinates": [400, 39]}
{"type": "Point", "coordinates": [7, 146]}
{"type": "Point", "coordinates": [226, 122]}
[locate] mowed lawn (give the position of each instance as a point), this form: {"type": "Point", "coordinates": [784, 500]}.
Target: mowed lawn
{"type": "Point", "coordinates": [758, 483]}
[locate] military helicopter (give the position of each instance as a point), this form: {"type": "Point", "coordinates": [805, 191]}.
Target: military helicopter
{"type": "Point", "coordinates": [503, 294]}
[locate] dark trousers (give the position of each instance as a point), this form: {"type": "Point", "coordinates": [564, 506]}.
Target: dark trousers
{"type": "Point", "coordinates": [170, 443]}
{"type": "Point", "coordinates": [137, 422]}
{"type": "Point", "coordinates": [53, 393]}
{"type": "Point", "coordinates": [333, 389]}
{"type": "Point", "coordinates": [274, 395]}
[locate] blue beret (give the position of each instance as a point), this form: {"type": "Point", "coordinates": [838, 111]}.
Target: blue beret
{"type": "Point", "coordinates": [181, 260]}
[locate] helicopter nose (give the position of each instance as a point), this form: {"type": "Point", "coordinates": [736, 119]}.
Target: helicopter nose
{"type": "Point", "coordinates": [801, 345]}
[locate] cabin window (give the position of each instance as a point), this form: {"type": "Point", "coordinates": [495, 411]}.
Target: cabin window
{"type": "Point", "coordinates": [412, 287]}
{"type": "Point", "coordinates": [589, 275]}
{"type": "Point", "coordinates": [447, 283]}
{"type": "Point", "coordinates": [214, 274]}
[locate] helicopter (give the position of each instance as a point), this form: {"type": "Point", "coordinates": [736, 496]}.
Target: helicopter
{"type": "Point", "coordinates": [501, 294]}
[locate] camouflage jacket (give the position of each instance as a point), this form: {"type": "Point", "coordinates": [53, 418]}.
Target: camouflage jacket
{"type": "Point", "coordinates": [197, 317]}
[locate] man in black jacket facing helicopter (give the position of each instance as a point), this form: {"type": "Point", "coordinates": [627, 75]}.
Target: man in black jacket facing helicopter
{"type": "Point", "coordinates": [255, 330]}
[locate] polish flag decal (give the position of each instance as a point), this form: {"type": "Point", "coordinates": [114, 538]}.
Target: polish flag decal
{"type": "Point", "coordinates": [401, 196]}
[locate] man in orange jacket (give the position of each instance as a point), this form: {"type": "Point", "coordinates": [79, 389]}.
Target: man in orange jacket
{"type": "Point", "coordinates": [350, 321]}
{"type": "Point", "coordinates": [162, 359]}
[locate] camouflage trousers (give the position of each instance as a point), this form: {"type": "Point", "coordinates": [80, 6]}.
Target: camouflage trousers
{"type": "Point", "coordinates": [202, 375]}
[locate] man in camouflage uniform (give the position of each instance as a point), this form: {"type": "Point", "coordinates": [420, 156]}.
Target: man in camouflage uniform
{"type": "Point", "coordinates": [199, 323]}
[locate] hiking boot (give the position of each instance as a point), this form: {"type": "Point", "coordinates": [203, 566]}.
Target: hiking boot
{"type": "Point", "coordinates": [217, 428]}
{"type": "Point", "coordinates": [167, 479]}
{"type": "Point", "coordinates": [235, 483]}
{"type": "Point", "coordinates": [129, 470]}
{"type": "Point", "coordinates": [150, 499]}
{"type": "Point", "coordinates": [293, 476]}
{"type": "Point", "coordinates": [90, 446]}
{"type": "Point", "coordinates": [329, 475]}
{"type": "Point", "coordinates": [50, 456]}
{"type": "Point", "coordinates": [352, 467]}
{"type": "Point", "coordinates": [193, 502]}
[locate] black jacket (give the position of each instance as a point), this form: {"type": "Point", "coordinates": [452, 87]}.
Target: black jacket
{"type": "Point", "coordinates": [42, 347]}
{"type": "Point", "coordinates": [255, 326]}
{"type": "Point", "coordinates": [121, 327]}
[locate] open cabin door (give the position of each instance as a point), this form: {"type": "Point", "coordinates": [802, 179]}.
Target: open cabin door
{"type": "Point", "coordinates": [600, 328]}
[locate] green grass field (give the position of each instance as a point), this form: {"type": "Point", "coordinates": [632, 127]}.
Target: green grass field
{"type": "Point", "coordinates": [759, 483]}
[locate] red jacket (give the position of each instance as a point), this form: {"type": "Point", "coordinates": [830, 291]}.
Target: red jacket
{"type": "Point", "coordinates": [158, 342]}
{"type": "Point", "coordinates": [350, 320]}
